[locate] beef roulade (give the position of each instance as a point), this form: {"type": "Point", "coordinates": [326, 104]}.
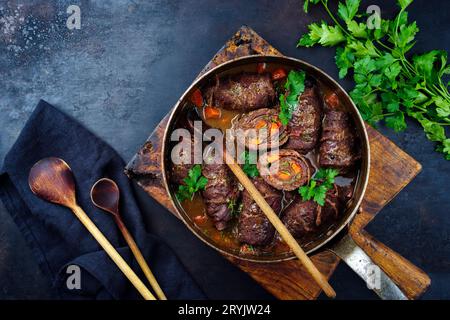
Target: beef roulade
{"type": "Point", "coordinates": [180, 171]}
{"type": "Point", "coordinates": [244, 92]}
{"type": "Point", "coordinates": [261, 129]}
{"type": "Point", "coordinates": [304, 126]}
{"type": "Point", "coordinates": [339, 147]}
{"type": "Point", "coordinates": [303, 217]}
{"type": "Point", "coordinates": [220, 194]}
{"type": "Point", "coordinates": [254, 228]}
{"type": "Point", "coordinates": [286, 171]}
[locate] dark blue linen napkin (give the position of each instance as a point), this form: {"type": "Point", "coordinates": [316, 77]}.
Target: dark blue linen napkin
{"type": "Point", "coordinates": [55, 235]}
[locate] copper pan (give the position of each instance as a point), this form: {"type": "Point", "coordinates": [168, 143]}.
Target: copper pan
{"type": "Point", "coordinates": [344, 246]}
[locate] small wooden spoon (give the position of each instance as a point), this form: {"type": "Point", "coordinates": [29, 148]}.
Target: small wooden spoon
{"type": "Point", "coordinates": [105, 195]}
{"type": "Point", "coordinates": [52, 180]}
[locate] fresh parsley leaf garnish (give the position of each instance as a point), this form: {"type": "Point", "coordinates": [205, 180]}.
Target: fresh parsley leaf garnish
{"type": "Point", "coordinates": [389, 85]}
{"type": "Point", "coordinates": [348, 10]}
{"type": "Point", "coordinates": [294, 86]}
{"type": "Point", "coordinates": [249, 166]}
{"type": "Point", "coordinates": [326, 176]}
{"type": "Point", "coordinates": [324, 34]}
{"type": "Point", "coordinates": [321, 182]}
{"type": "Point", "coordinates": [193, 183]}
{"type": "Point", "coordinates": [313, 191]}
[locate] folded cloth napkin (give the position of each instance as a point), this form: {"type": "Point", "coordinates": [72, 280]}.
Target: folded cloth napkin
{"type": "Point", "coordinates": [60, 242]}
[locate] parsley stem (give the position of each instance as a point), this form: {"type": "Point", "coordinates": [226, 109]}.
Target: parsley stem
{"type": "Point", "coordinates": [427, 91]}
{"type": "Point", "coordinates": [443, 93]}
{"type": "Point", "coordinates": [383, 45]}
{"type": "Point", "coordinates": [421, 108]}
{"type": "Point", "coordinates": [397, 23]}
{"type": "Point", "coordinates": [443, 88]}
{"type": "Point", "coordinates": [409, 64]}
{"type": "Point", "coordinates": [324, 3]}
{"type": "Point", "coordinates": [374, 90]}
{"type": "Point", "coordinates": [408, 67]}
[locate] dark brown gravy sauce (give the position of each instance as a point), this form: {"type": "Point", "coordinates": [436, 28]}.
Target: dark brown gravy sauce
{"type": "Point", "coordinates": [227, 239]}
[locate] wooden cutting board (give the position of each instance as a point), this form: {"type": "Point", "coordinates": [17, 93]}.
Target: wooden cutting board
{"type": "Point", "coordinates": [391, 170]}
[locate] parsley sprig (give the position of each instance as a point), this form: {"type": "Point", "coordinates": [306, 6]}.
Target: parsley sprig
{"type": "Point", "coordinates": [249, 166]}
{"type": "Point", "coordinates": [389, 83]}
{"type": "Point", "coordinates": [321, 182]}
{"type": "Point", "coordinates": [294, 86]}
{"type": "Point", "coordinates": [193, 183]}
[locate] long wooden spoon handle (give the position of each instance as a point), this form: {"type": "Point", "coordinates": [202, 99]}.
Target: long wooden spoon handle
{"type": "Point", "coordinates": [112, 253]}
{"type": "Point", "coordinates": [280, 227]}
{"type": "Point", "coordinates": [140, 258]}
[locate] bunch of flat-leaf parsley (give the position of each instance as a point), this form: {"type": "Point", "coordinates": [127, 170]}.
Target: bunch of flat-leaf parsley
{"type": "Point", "coordinates": [389, 82]}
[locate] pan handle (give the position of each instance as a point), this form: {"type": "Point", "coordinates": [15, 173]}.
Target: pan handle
{"type": "Point", "coordinates": [386, 272]}
{"type": "Point", "coordinates": [412, 280]}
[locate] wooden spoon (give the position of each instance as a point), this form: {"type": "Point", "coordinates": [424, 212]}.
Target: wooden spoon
{"type": "Point", "coordinates": [279, 226]}
{"type": "Point", "coordinates": [276, 222]}
{"type": "Point", "coordinates": [52, 180]}
{"type": "Point", "coordinates": [105, 195]}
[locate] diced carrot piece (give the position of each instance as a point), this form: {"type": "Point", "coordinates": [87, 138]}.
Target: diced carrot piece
{"type": "Point", "coordinates": [245, 248]}
{"type": "Point", "coordinates": [332, 100]}
{"type": "Point", "coordinates": [261, 124]}
{"type": "Point", "coordinates": [196, 98]}
{"type": "Point", "coordinates": [284, 175]}
{"type": "Point", "coordinates": [274, 126]}
{"type": "Point", "coordinates": [261, 67]}
{"type": "Point", "coordinates": [201, 219]}
{"type": "Point", "coordinates": [278, 74]}
{"type": "Point", "coordinates": [297, 169]}
{"type": "Point", "coordinates": [211, 112]}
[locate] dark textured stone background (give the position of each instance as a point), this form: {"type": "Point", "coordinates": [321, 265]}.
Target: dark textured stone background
{"type": "Point", "coordinates": [128, 65]}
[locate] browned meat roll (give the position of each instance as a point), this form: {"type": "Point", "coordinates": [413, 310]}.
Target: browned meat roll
{"type": "Point", "coordinates": [303, 217]}
{"type": "Point", "coordinates": [220, 194]}
{"type": "Point", "coordinates": [180, 171]}
{"type": "Point", "coordinates": [287, 171]}
{"type": "Point", "coordinates": [304, 126]}
{"type": "Point", "coordinates": [339, 146]}
{"type": "Point", "coordinates": [245, 91]}
{"type": "Point", "coordinates": [331, 208]}
{"type": "Point", "coordinates": [254, 228]}
{"type": "Point", "coordinates": [300, 217]}
{"type": "Point", "coordinates": [261, 129]}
